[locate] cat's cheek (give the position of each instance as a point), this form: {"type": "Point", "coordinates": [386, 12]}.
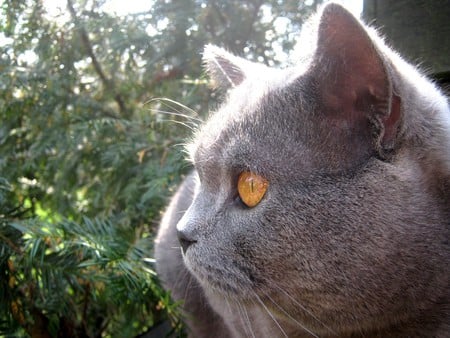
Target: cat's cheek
{"type": "Point", "coordinates": [194, 265]}
{"type": "Point", "coordinates": [217, 278]}
{"type": "Point", "coordinates": [190, 259]}
{"type": "Point", "coordinates": [221, 269]}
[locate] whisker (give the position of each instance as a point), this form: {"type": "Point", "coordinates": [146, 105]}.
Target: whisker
{"type": "Point", "coordinates": [172, 103]}
{"type": "Point", "coordinates": [292, 318]}
{"type": "Point", "coordinates": [228, 304]}
{"type": "Point", "coordinates": [270, 314]}
{"type": "Point", "coordinates": [175, 113]}
{"type": "Point", "coordinates": [180, 277]}
{"type": "Point", "coordinates": [247, 319]}
{"type": "Point", "coordinates": [188, 286]}
{"type": "Point", "coordinates": [241, 317]}
{"type": "Point", "coordinates": [184, 124]}
{"type": "Point", "coordinates": [191, 119]}
{"type": "Point", "coordinates": [245, 324]}
{"type": "Point", "coordinates": [192, 124]}
{"type": "Point", "coordinates": [305, 309]}
{"type": "Point", "coordinates": [177, 103]}
{"type": "Point", "coordinates": [180, 145]}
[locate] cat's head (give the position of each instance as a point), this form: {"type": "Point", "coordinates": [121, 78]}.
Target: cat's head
{"type": "Point", "coordinates": [335, 219]}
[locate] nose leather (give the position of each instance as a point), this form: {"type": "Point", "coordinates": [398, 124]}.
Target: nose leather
{"type": "Point", "coordinates": [185, 240]}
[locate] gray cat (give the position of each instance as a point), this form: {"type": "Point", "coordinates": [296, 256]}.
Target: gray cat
{"type": "Point", "coordinates": [320, 201]}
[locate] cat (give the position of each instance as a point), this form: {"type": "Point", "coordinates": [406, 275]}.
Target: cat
{"type": "Point", "coordinates": [320, 201]}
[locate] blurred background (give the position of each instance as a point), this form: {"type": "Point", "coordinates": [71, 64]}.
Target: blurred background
{"type": "Point", "coordinates": [97, 98]}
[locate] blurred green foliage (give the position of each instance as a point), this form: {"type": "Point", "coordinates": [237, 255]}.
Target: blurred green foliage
{"type": "Point", "coordinates": [90, 150]}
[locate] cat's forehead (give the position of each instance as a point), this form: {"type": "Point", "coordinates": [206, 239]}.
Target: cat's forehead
{"type": "Point", "coordinates": [242, 106]}
{"type": "Point", "coordinates": [254, 125]}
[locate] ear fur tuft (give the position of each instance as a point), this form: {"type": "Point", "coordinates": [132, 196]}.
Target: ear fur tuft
{"type": "Point", "coordinates": [225, 69]}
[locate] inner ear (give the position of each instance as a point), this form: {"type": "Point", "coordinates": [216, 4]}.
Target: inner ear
{"type": "Point", "coordinates": [347, 52]}
{"type": "Point", "coordinates": [352, 78]}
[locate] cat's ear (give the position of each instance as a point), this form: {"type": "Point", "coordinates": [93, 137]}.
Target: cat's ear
{"type": "Point", "coordinates": [352, 76]}
{"type": "Point", "coordinates": [225, 69]}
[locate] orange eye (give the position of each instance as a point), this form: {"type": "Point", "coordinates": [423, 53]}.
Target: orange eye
{"type": "Point", "coordinates": [251, 188]}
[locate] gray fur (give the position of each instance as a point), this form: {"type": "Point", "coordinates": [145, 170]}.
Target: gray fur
{"type": "Point", "coordinates": [352, 236]}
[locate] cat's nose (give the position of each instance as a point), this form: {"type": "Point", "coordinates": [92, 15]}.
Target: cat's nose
{"type": "Point", "coordinates": [185, 240]}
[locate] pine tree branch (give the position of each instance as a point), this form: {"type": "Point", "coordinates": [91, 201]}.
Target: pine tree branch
{"type": "Point", "coordinates": [39, 328]}
{"type": "Point", "coordinates": [109, 84]}
{"type": "Point", "coordinates": [10, 243]}
{"type": "Point", "coordinates": [85, 306]}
